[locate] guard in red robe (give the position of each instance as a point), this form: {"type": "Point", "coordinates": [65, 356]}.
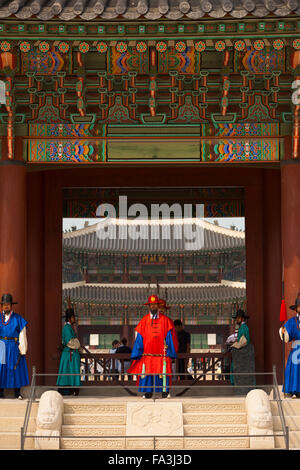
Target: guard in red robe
{"type": "Point", "coordinates": [154, 348]}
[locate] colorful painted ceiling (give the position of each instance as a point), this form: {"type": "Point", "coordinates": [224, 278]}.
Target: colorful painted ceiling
{"type": "Point", "coordinates": [114, 81]}
{"type": "Point", "coordinates": [217, 201]}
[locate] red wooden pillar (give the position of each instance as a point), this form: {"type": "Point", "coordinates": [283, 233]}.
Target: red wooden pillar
{"type": "Point", "coordinates": [272, 257]}
{"type": "Point", "coordinates": [254, 268]}
{"type": "Point", "coordinates": [13, 226]}
{"type": "Point", "coordinates": [290, 223]}
{"type": "Point", "coordinates": [36, 240]}
{"type": "Point", "coordinates": [53, 313]}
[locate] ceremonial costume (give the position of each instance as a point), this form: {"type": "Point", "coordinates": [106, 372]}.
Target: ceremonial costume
{"type": "Point", "coordinates": [154, 348]}
{"type": "Point", "coordinates": [13, 367]}
{"type": "Point", "coordinates": [292, 370]}
{"type": "Point", "coordinates": [70, 359]}
{"type": "Point", "coordinates": [243, 337]}
{"type": "Point", "coordinates": [242, 354]}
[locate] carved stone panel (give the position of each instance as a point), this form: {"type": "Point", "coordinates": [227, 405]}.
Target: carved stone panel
{"type": "Point", "coordinates": [154, 419]}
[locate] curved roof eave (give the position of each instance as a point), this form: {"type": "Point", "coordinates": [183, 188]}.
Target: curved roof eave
{"type": "Point", "coordinates": [171, 10]}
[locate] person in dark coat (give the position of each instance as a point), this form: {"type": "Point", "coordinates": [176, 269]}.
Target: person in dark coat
{"type": "Point", "coordinates": [184, 346]}
{"type": "Point", "coordinates": [123, 349]}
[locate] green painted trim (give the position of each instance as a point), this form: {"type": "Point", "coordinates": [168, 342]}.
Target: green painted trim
{"type": "Point", "coordinates": [127, 37]}
{"type": "Point", "coordinates": [229, 118]}
{"type": "Point", "coordinates": [87, 119]}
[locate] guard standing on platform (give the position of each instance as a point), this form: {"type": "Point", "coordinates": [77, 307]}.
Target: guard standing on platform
{"type": "Point", "coordinates": [243, 336]}
{"type": "Point", "coordinates": [291, 332]}
{"type": "Point", "coordinates": [154, 348]}
{"type": "Point", "coordinates": [70, 357]}
{"type": "Point", "coordinates": [13, 367]}
{"type": "Point", "coordinates": [242, 355]}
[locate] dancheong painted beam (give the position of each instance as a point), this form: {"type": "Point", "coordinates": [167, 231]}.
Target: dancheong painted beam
{"type": "Point", "coordinates": [164, 88]}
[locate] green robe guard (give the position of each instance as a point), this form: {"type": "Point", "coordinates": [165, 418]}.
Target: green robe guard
{"type": "Point", "coordinates": [243, 331]}
{"type": "Point", "coordinates": [243, 339]}
{"type": "Point", "coordinates": [70, 358]}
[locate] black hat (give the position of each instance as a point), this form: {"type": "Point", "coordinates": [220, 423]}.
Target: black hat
{"type": "Point", "coordinates": [297, 303]}
{"type": "Point", "coordinates": [7, 299]}
{"type": "Point", "coordinates": [240, 313]}
{"type": "Point", "coordinates": [69, 313]}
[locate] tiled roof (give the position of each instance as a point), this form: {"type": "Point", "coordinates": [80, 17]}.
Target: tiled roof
{"type": "Point", "coordinates": [210, 237]}
{"type": "Point", "coordinates": [223, 292]}
{"type": "Point", "coordinates": [68, 10]}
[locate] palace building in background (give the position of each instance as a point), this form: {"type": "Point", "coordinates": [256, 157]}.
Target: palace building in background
{"type": "Point", "coordinates": [106, 281]}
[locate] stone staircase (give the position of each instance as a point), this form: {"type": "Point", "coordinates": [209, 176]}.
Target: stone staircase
{"type": "Point", "coordinates": [215, 417]}
{"type": "Point", "coordinates": [94, 418]}
{"type": "Point", "coordinates": [291, 410]}
{"type": "Point", "coordinates": [105, 419]}
{"type": "Point", "coordinates": [12, 414]}
{"type": "Point", "coordinates": [201, 417]}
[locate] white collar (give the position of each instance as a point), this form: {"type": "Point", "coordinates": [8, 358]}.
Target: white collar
{"type": "Point", "coordinates": [7, 315]}
{"type": "Point", "coordinates": [156, 315]}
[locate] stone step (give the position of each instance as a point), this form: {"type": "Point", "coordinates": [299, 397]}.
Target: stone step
{"type": "Point", "coordinates": [145, 443]}
{"type": "Point", "coordinates": [96, 419]}
{"type": "Point", "coordinates": [92, 444]}
{"type": "Point", "coordinates": [218, 443]}
{"type": "Point", "coordinates": [293, 422]}
{"type": "Point", "coordinates": [214, 418]}
{"type": "Point", "coordinates": [216, 430]}
{"type": "Point", "coordinates": [95, 408]}
{"type": "Point", "coordinates": [11, 407]}
{"type": "Point", "coordinates": [291, 407]}
{"type": "Point", "coordinates": [14, 423]}
{"type": "Point", "coordinates": [214, 407]}
{"type": "Point", "coordinates": [294, 440]}
{"type": "Point", "coordinates": [92, 430]}
{"type": "Point", "coordinates": [160, 443]}
{"type": "Point", "coordinates": [12, 440]}
{"type": "Point", "coordinates": [189, 430]}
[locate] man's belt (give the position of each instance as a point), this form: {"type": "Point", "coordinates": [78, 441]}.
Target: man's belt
{"type": "Point", "coordinates": [9, 338]}
{"type": "Point", "coordinates": [154, 355]}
